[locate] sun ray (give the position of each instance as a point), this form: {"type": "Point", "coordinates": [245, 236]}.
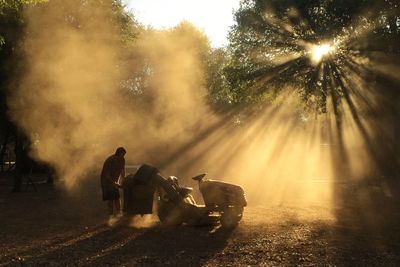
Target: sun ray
{"type": "Point", "coordinates": [321, 52]}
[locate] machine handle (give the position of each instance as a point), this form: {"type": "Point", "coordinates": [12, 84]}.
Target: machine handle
{"type": "Point", "coordinates": [199, 177]}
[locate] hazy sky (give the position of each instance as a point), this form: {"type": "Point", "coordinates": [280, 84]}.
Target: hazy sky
{"type": "Point", "coordinates": [213, 16]}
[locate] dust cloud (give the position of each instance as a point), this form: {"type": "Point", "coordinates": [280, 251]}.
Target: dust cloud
{"type": "Point", "coordinates": [281, 156]}
{"type": "Point", "coordinates": [76, 109]}
{"type": "Point", "coordinates": [144, 221]}
{"type": "Point", "coordinates": [73, 103]}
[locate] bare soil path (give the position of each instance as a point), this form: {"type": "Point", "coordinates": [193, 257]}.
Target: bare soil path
{"type": "Point", "coordinates": [56, 228]}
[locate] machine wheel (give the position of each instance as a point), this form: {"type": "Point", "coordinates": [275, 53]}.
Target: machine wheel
{"type": "Point", "coordinates": [230, 217]}
{"type": "Point", "coordinates": [171, 215]}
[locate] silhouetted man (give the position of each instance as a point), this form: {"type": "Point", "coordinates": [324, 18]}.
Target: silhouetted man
{"type": "Point", "coordinates": [113, 168]}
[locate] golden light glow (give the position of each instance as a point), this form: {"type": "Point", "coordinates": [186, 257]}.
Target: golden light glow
{"type": "Point", "coordinates": [277, 156]}
{"type": "Point", "coordinates": [319, 52]}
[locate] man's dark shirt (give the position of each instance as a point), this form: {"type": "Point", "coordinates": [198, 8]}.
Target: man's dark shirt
{"type": "Point", "coordinates": [112, 168]}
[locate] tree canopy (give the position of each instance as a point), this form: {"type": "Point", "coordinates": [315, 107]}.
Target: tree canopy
{"type": "Point", "coordinates": [272, 41]}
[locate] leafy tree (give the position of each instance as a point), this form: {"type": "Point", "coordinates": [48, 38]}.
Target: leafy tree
{"type": "Point", "coordinates": [12, 60]}
{"type": "Point", "coordinates": [271, 41]}
{"type": "Point", "coordinates": [11, 32]}
{"type": "Point", "coordinates": [217, 83]}
{"type": "Point", "coordinates": [330, 53]}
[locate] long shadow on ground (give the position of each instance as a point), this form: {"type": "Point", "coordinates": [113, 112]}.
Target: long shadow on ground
{"type": "Point", "coordinates": [124, 245]}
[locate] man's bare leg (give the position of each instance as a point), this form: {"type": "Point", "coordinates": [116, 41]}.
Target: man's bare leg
{"type": "Point", "coordinates": [110, 205]}
{"type": "Point", "coordinates": [117, 204]}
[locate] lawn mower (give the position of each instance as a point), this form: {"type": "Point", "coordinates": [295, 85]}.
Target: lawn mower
{"type": "Point", "coordinates": [148, 190]}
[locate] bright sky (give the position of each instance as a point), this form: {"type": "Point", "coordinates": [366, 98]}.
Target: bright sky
{"type": "Point", "coordinates": [212, 16]}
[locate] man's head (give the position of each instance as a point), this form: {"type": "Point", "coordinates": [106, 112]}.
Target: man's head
{"type": "Point", "coordinates": [120, 152]}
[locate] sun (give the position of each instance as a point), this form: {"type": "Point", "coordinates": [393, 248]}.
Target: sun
{"type": "Point", "coordinates": [320, 52]}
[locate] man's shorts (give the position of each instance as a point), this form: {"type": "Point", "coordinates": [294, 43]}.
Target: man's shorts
{"type": "Point", "coordinates": [110, 193]}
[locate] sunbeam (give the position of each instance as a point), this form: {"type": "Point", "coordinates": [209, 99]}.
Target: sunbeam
{"type": "Point", "coordinates": [321, 51]}
{"type": "Point", "coordinates": [330, 60]}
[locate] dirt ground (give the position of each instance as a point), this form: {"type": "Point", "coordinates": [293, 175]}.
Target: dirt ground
{"type": "Point", "coordinates": [52, 227]}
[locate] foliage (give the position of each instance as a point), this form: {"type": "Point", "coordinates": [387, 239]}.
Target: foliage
{"type": "Point", "coordinates": [13, 64]}
{"type": "Point", "coordinates": [11, 26]}
{"type": "Point", "coordinates": [217, 84]}
{"type": "Point", "coordinates": [270, 41]}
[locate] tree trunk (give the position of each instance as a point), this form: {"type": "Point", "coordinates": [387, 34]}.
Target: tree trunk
{"type": "Point", "coordinates": [3, 149]}
{"type": "Point", "coordinates": [396, 124]}
{"type": "Point", "coordinates": [19, 164]}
